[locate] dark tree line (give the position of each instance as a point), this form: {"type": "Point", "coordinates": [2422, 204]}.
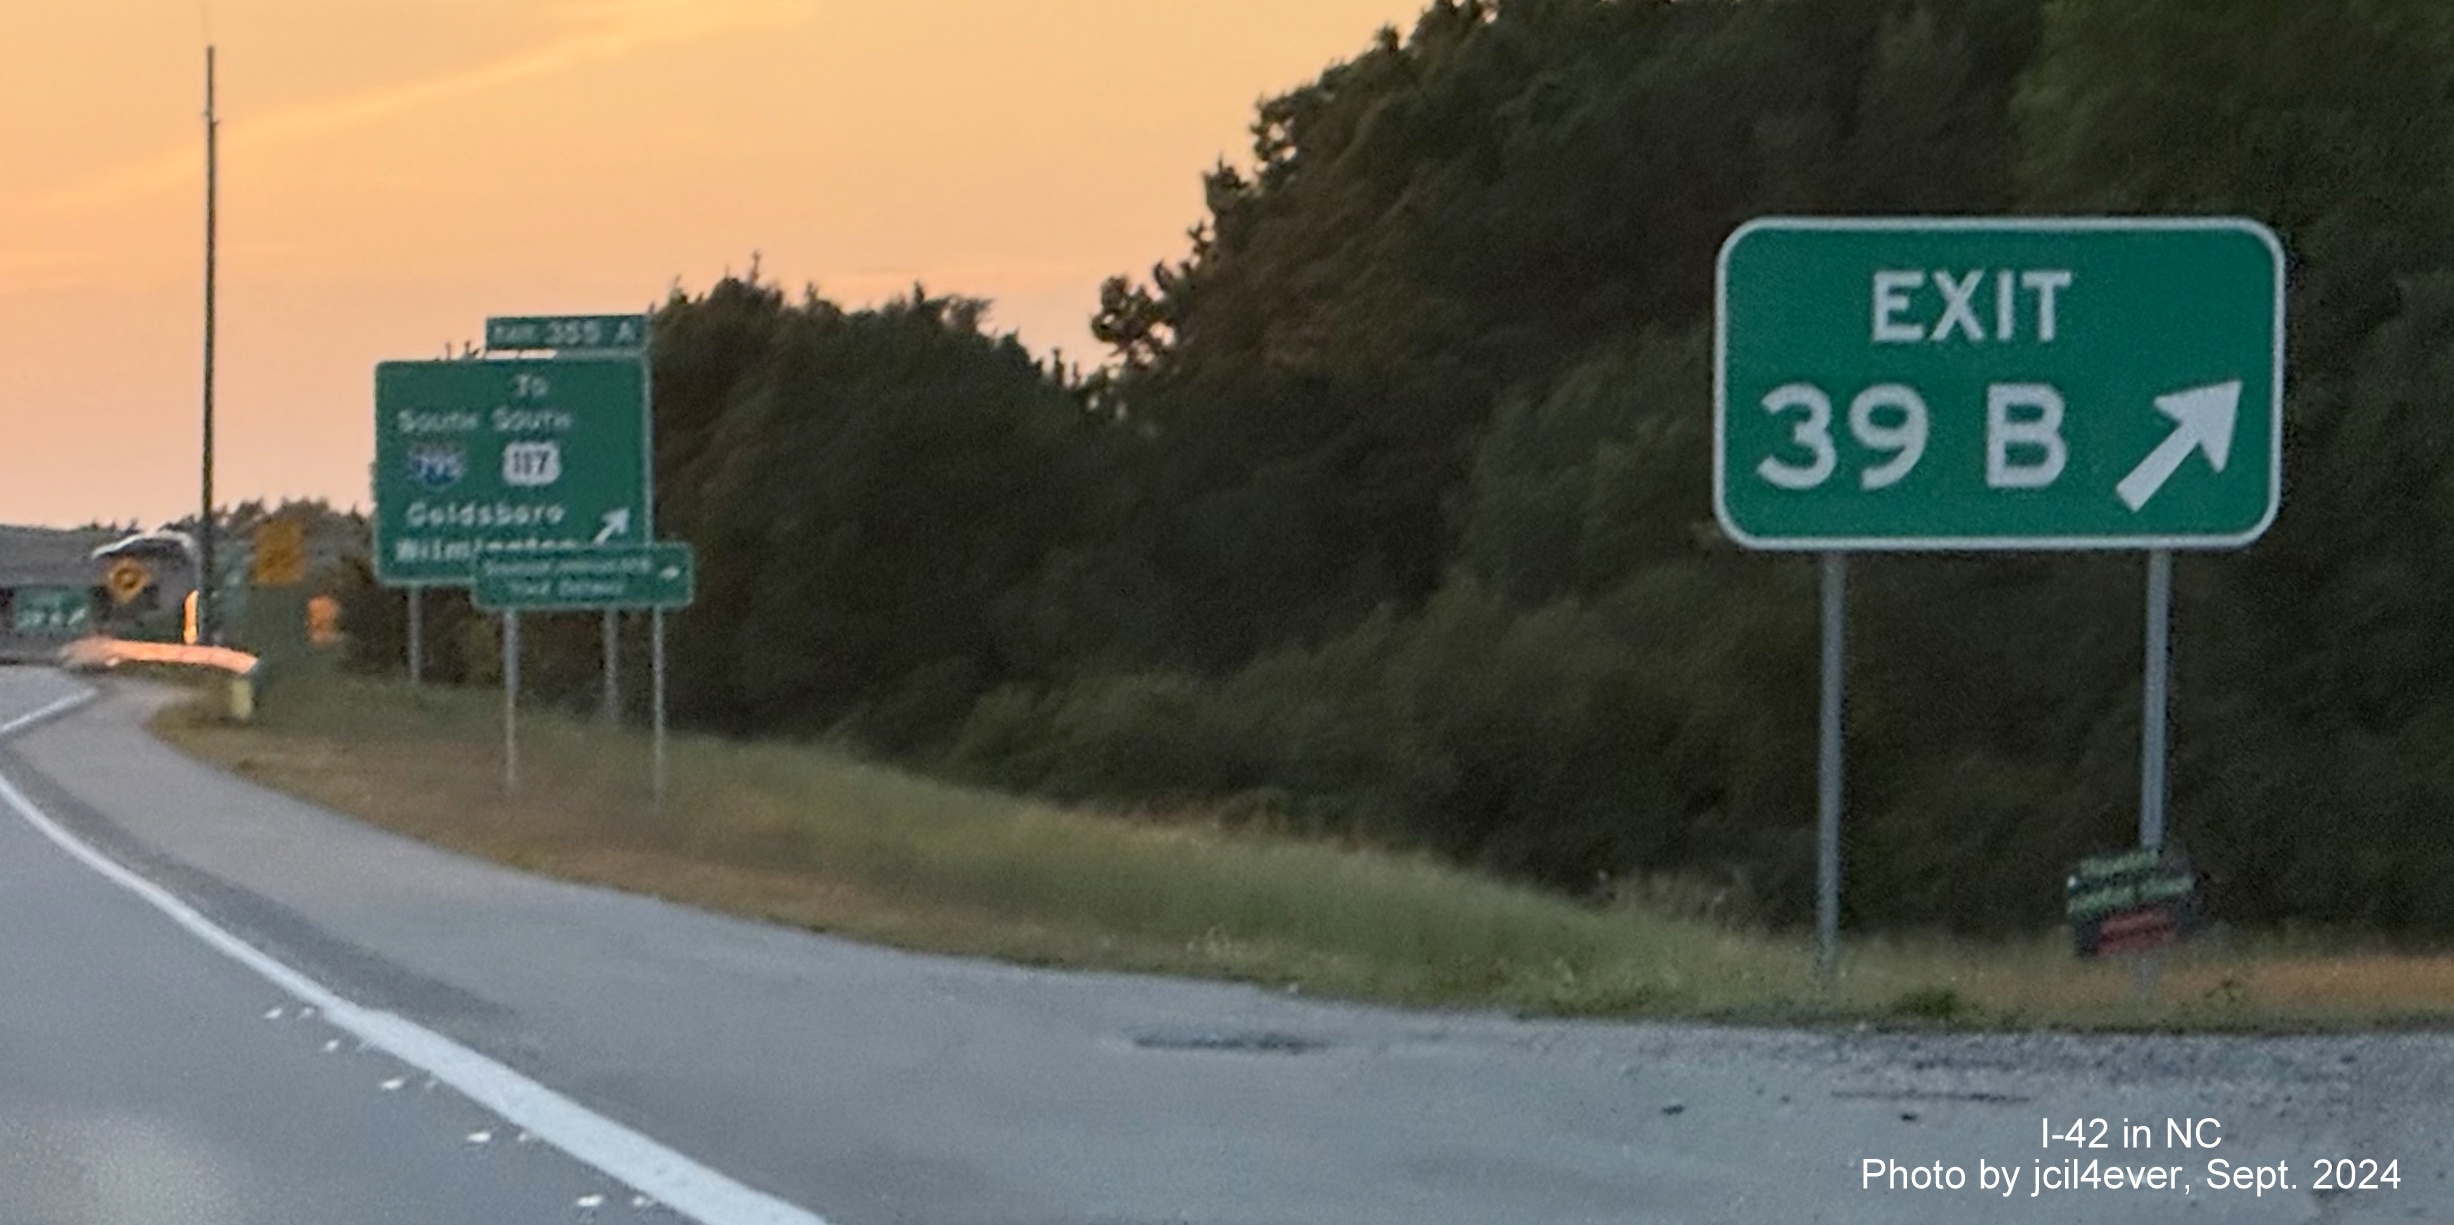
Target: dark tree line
{"type": "Point", "coordinates": [1391, 515]}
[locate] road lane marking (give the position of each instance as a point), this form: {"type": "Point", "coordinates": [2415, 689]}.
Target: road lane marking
{"type": "Point", "coordinates": [684, 1185]}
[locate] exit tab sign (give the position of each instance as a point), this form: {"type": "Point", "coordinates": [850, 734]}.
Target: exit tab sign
{"type": "Point", "coordinates": [2015, 383]}
{"type": "Point", "coordinates": [567, 332]}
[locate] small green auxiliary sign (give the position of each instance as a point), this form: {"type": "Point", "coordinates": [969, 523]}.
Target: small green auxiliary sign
{"type": "Point", "coordinates": [2013, 383]}
{"type": "Point", "coordinates": [567, 332]}
{"type": "Point", "coordinates": [51, 612]}
{"type": "Point", "coordinates": [661, 575]}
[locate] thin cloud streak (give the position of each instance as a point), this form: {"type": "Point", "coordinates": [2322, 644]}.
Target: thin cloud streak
{"type": "Point", "coordinates": [28, 273]}
{"type": "Point", "coordinates": [628, 27]}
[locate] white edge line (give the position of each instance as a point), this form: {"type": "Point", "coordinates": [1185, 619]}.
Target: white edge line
{"type": "Point", "coordinates": [676, 1181]}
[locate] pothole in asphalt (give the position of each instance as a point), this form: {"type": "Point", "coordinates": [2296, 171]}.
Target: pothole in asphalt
{"type": "Point", "coordinates": [1254, 1042]}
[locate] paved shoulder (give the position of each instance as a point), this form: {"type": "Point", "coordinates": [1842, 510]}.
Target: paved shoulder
{"type": "Point", "coordinates": [873, 1086]}
{"type": "Point", "coordinates": [146, 1077]}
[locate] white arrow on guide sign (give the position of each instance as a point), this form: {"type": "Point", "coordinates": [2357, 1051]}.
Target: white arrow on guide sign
{"type": "Point", "coordinates": [2203, 421]}
{"type": "Point", "coordinates": [618, 522]}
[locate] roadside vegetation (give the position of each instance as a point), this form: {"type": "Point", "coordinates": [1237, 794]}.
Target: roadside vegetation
{"type": "Point", "coordinates": [1385, 514]}
{"type": "Point", "coordinates": [807, 836]}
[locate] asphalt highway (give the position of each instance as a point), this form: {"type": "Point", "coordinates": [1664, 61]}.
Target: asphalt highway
{"type": "Point", "coordinates": [163, 925]}
{"type": "Point", "coordinates": [145, 1077]}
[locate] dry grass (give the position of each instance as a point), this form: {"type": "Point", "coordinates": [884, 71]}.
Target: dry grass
{"type": "Point", "coordinates": [800, 835]}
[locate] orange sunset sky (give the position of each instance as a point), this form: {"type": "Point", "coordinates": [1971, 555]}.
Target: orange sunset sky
{"type": "Point", "coordinates": [393, 171]}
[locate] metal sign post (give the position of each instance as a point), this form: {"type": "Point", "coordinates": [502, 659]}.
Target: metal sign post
{"type": "Point", "coordinates": [647, 510]}
{"type": "Point", "coordinates": [511, 700]}
{"type": "Point", "coordinates": [2154, 736]}
{"type": "Point", "coordinates": [1996, 383]}
{"type": "Point", "coordinates": [417, 644]}
{"type": "Point", "coordinates": [609, 706]}
{"type": "Point", "coordinates": [656, 671]}
{"type": "Point", "coordinates": [1828, 785]}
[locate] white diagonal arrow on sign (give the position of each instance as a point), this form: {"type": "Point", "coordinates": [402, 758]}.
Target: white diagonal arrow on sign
{"type": "Point", "coordinates": [2203, 418]}
{"type": "Point", "coordinates": [617, 522]}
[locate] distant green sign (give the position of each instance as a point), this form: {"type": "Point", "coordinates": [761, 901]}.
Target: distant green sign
{"type": "Point", "coordinates": [2020, 383]}
{"type": "Point", "coordinates": [517, 458]}
{"type": "Point", "coordinates": [52, 612]}
{"type": "Point", "coordinates": [661, 575]}
{"type": "Point", "coordinates": [567, 332]}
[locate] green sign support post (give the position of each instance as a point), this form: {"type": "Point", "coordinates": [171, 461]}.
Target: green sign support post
{"type": "Point", "coordinates": [2012, 383]}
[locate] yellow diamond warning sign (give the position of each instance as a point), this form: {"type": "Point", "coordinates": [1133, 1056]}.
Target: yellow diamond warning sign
{"type": "Point", "coordinates": [128, 579]}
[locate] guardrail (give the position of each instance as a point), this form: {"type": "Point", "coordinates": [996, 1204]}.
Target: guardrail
{"type": "Point", "coordinates": [98, 653]}
{"type": "Point", "coordinates": [102, 654]}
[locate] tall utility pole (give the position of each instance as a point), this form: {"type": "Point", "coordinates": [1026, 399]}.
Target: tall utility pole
{"type": "Point", "coordinates": [206, 630]}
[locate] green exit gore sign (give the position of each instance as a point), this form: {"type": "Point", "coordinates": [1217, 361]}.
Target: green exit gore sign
{"type": "Point", "coordinates": [2092, 383]}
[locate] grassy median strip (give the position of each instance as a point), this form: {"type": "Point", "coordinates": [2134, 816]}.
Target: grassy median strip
{"type": "Point", "coordinates": [805, 836]}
